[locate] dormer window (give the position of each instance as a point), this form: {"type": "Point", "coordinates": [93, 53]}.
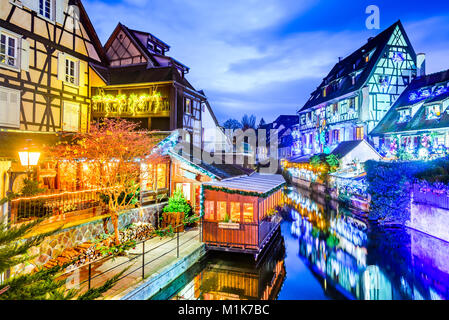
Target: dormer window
{"type": "Point", "coordinates": [404, 115]}
{"type": "Point", "coordinates": [150, 46]}
{"type": "Point", "coordinates": [324, 92]}
{"type": "Point", "coordinates": [433, 112]}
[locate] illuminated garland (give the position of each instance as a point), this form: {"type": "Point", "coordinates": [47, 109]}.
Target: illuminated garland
{"type": "Point", "coordinates": [232, 191]}
{"type": "Point", "coordinates": [121, 103]}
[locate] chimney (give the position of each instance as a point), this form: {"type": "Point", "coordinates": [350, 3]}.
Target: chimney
{"type": "Point", "coordinates": [421, 64]}
{"type": "Point", "coordinates": [340, 58]}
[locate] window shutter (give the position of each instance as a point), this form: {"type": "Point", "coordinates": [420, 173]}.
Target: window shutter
{"type": "Point", "coordinates": [60, 8]}
{"type": "Point", "coordinates": [32, 4]}
{"type": "Point", "coordinates": [3, 106]}
{"type": "Point", "coordinates": [78, 73]}
{"type": "Point", "coordinates": [61, 66]}
{"type": "Point", "coordinates": [25, 56]}
{"type": "Point", "coordinates": [82, 72]}
{"type": "Point", "coordinates": [14, 108]}
{"type": "Point", "coordinates": [10, 107]}
{"type": "Point", "coordinates": [71, 117]}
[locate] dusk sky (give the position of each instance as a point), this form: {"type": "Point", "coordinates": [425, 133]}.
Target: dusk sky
{"type": "Point", "coordinates": [266, 57]}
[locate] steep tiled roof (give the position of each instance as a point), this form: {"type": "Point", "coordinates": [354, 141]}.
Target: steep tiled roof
{"type": "Point", "coordinates": [354, 63]}
{"type": "Point", "coordinates": [140, 74]}
{"type": "Point", "coordinates": [345, 147]}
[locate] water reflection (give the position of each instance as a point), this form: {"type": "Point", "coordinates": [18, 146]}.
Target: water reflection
{"type": "Point", "coordinates": [325, 252]}
{"type": "Point", "coordinates": [237, 277]}
{"type": "Point", "coordinates": [362, 262]}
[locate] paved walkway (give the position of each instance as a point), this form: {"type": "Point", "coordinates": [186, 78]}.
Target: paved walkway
{"type": "Point", "coordinates": [158, 254]}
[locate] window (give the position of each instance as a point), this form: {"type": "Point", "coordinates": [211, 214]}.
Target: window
{"type": "Point", "coordinates": [221, 210]}
{"type": "Point", "coordinates": [46, 8]}
{"type": "Point", "coordinates": [188, 105]}
{"type": "Point", "coordinates": [161, 176]}
{"type": "Point", "coordinates": [70, 74]}
{"type": "Point", "coordinates": [235, 212]}
{"type": "Point", "coordinates": [185, 188]}
{"type": "Point", "coordinates": [336, 136]}
{"type": "Point", "coordinates": [209, 210]}
{"type": "Point", "coordinates": [9, 50]}
{"type": "Point", "coordinates": [433, 112]}
{"type": "Point", "coordinates": [248, 212]}
{"type": "Point", "coordinates": [69, 69]}
{"type": "Point", "coordinates": [9, 107]}
{"type": "Point", "coordinates": [404, 115]}
{"type": "Point", "coordinates": [147, 177]}
{"type": "Point", "coordinates": [359, 133]}
{"type": "Point", "coordinates": [71, 117]}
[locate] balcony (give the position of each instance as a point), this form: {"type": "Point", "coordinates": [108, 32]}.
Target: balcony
{"type": "Point", "coordinates": [156, 108]}
{"type": "Point", "coordinates": [57, 207]}
{"type": "Point", "coordinates": [336, 118]}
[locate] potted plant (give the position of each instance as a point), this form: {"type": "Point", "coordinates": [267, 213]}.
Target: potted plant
{"type": "Point", "coordinates": [175, 212]}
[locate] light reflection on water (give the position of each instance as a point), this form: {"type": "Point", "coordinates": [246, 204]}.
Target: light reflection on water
{"type": "Point", "coordinates": [325, 252]}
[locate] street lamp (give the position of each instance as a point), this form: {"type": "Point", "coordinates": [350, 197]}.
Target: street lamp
{"type": "Point", "coordinates": [29, 157]}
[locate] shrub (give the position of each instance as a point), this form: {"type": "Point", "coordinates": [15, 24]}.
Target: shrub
{"type": "Point", "coordinates": [178, 203]}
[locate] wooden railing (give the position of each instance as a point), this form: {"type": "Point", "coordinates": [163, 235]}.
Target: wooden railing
{"type": "Point", "coordinates": [56, 205]}
{"type": "Point", "coordinates": [102, 109]}
{"type": "Point", "coordinates": [247, 236]}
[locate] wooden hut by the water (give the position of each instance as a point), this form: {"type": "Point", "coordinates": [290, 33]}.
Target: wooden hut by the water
{"type": "Point", "coordinates": [239, 213]}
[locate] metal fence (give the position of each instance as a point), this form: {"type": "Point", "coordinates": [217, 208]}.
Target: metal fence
{"type": "Point", "coordinates": [48, 205]}
{"type": "Point", "coordinates": [94, 274]}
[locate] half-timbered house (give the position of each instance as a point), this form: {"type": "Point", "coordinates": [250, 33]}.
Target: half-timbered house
{"type": "Point", "coordinates": [357, 93]}
{"type": "Point", "coordinates": [46, 47]}
{"type": "Point", "coordinates": [417, 126]}
{"type": "Point", "coordinates": [143, 84]}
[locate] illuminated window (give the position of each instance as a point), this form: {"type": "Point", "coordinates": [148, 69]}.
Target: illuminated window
{"type": "Point", "coordinates": [221, 210]}
{"type": "Point", "coordinates": [8, 50]}
{"type": "Point", "coordinates": [248, 212]}
{"type": "Point", "coordinates": [147, 177]}
{"type": "Point", "coordinates": [404, 115]}
{"type": "Point", "coordinates": [186, 190]}
{"type": "Point", "coordinates": [235, 212]}
{"type": "Point", "coordinates": [188, 106]}
{"type": "Point", "coordinates": [359, 133]}
{"type": "Point", "coordinates": [162, 176]}
{"type": "Point", "coordinates": [433, 112]}
{"type": "Point", "coordinates": [209, 210]}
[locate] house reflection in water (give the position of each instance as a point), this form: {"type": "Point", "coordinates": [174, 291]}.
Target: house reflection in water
{"type": "Point", "coordinates": [228, 276]}
{"type": "Point", "coordinates": [354, 261]}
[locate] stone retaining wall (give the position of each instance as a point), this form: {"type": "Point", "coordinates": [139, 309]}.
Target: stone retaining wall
{"type": "Point", "coordinates": [53, 245]}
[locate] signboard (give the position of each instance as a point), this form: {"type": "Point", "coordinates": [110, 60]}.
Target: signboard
{"type": "Point", "coordinates": [228, 225]}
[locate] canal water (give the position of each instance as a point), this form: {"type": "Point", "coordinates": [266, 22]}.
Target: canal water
{"type": "Point", "coordinates": [324, 251]}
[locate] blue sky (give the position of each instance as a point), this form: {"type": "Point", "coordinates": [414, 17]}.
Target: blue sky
{"type": "Point", "coordinates": [265, 57]}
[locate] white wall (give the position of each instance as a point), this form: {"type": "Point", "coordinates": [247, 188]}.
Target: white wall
{"type": "Point", "coordinates": [214, 138]}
